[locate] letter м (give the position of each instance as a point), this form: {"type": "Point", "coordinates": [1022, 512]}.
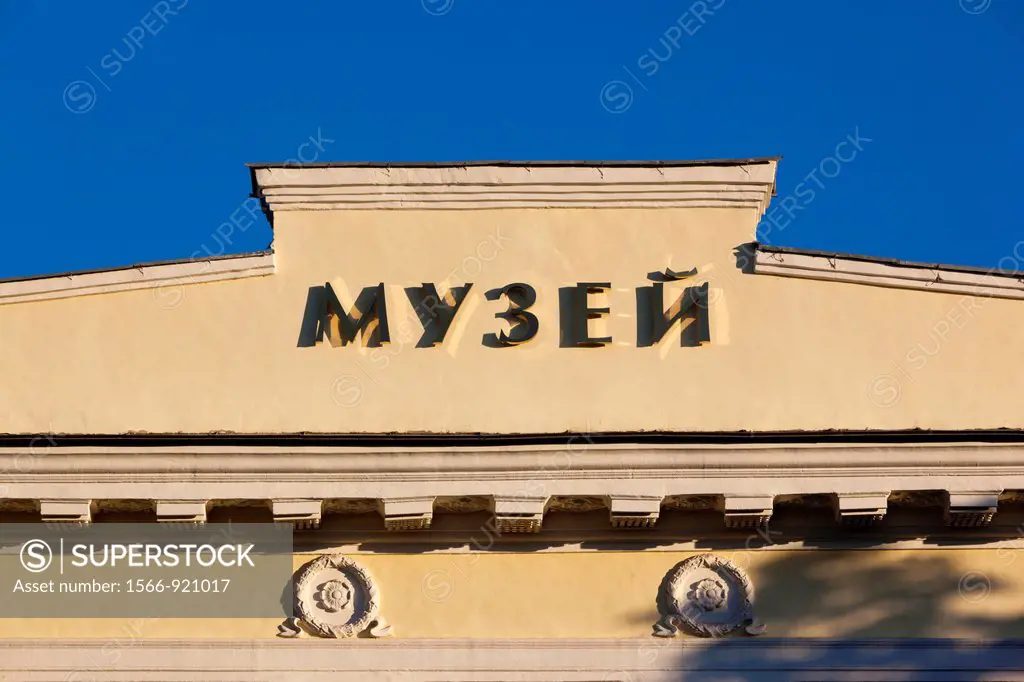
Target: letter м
{"type": "Point", "coordinates": [369, 316]}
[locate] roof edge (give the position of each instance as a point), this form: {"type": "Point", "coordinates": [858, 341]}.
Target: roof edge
{"type": "Point", "coordinates": [995, 272]}
{"type": "Point", "coordinates": [171, 275]}
{"type": "Point", "coordinates": [715, 183]}
{"type": "Point", "coordinates": [1006, 436]}
{"type": "Point", "coordinates": [887, 272]}
{"type": "Point", "coordinates": [138, 266]}
{"type": "Point", "coordinates": [524, 164]}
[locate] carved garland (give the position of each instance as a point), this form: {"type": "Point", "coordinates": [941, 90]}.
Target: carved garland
{"type": "Point", "coordinates": [316, 602]}
{"type": "Point", "coordinates": [703, 607]}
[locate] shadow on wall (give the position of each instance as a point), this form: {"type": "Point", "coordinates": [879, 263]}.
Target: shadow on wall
{"type": "Point", "coordinates": [859, 615]}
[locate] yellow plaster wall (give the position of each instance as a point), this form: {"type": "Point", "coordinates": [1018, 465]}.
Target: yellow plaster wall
{"type": "Point", "coordinates": [836, 593]}
{"type": "Point", "coordinates": [785, 353]}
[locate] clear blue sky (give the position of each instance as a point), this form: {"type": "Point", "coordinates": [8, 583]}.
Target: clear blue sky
{"type": "Point", "coordinates": [126, 127]}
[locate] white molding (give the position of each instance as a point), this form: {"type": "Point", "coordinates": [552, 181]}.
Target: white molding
{"type": "Point", "coordinates": [412, 463]}
{"type": "Point", "coordinates": [66, 510]}
{"type": "Point", "coordinates": [741, 185]}
{"type": "Point", "coordinates": [882, 274]}
{"type": "Point", "coordinates": [302, 514]}
{"type": "Point", "coordinates": [746, 510]}
{"type": "Point", "coordinates": [138, 277]}
{"type": "Point", "coordinates": [514, 512]}
{"type": "Point", "coordinates": [634, 511]}
{"type": "Point", "coordinates": [411, 513]}
{"type": "Point", "coordinates": [181, 511]}
{"type": "Point", "coordinates": [130, 658]}
{"type": "Point", "coordinates": [972, 508]}
{"type": "Point", "coordinates": [406, 480]}
{"type": "Point", "coordinates": [740, 471]}
{"type": "Point", "coordinates": [862, 509]}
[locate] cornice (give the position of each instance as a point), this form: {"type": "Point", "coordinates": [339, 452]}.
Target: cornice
{"type": "Point", "coordinates": [404, 482]}
{"type": "Point", "coordinates": [543, 461]}
{"type": "Point", "coordinates": [747, 185]}
{"type": "Point", "coordinates": [147, 276]}
{"type": "Point", "coordinates": [884, 273]}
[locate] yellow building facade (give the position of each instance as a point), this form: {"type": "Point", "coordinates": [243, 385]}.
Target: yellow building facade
{"type": "Point", "coordinates": [548, 421]}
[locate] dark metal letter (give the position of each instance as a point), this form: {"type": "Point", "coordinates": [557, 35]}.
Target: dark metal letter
{"type": "Point", "coordinates": [524, 324]}
{"type": "Point", "coordinates": [581, 314]}
{"type": "Point", "coordinates": [436, 313]}
{"type": "Point", "coordinates": [692, 302]}
{"type": "Point", "coordinates": [369, 316]}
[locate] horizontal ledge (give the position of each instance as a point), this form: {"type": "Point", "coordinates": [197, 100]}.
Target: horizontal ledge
{"type": "Point", "coordinates": [128, 486]}
{"type": "Point", "coordinates": [174, 274]}
{"type": "Point", "coordinates": [520, 659]}
{"type": "Point", "coordinates": [621, 643]}
{"type": "Point", "coordinates": [756, 188]}
{"type": "Point", "coordinates": [445, 204]}
{"type": "Point", "coordinates": [884, 274]}
{"type": "Point", "coordinates": [577, 460]}
{"type": "Point", "coordinates": [481, 187]}
{"type": "Point", "coordinates": [573, 440]}
{"type": "Point", "coordinates": [525, 163]}
{"type": "Point", "coordinates": [478, 194]}
{"type": "Point", "coordinates": [554, 176]}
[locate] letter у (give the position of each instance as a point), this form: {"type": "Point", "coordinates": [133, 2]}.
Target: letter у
{"type": "Point", "coordinates": [436, 312]}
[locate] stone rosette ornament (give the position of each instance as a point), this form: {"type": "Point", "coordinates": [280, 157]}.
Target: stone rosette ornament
{"type": "Point", "coordinates": [335, 597]}
{"type": "Point", "coordinates": [708, 596]}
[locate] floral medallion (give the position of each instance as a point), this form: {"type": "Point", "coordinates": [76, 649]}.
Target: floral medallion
{"type": "Point", "coordinates": [335, 597]}
{"type": "Point", "coordinates": [709, 596]}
